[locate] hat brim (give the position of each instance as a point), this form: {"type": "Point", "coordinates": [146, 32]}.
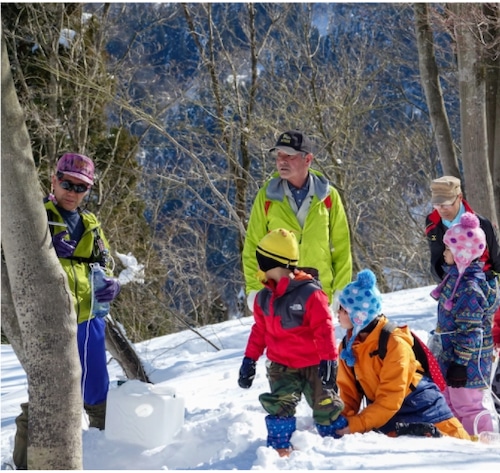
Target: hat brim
{"type": "Point", "coordinates": [286, 149]}
{"type": "Point", "coordinates": [76, 175]}
{"type": "Point", "coordinates": [442, 200]}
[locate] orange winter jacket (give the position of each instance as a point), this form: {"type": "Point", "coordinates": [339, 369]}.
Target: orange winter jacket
{"type": "Point", "coordinates": [386, 383]}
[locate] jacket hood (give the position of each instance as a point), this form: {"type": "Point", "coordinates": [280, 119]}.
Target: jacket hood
{"type": "Point", "coordinates": [275, 189]}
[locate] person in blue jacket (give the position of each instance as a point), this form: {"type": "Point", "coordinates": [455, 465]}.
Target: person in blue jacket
{"type": "Point", "coordinates": [462, 340]}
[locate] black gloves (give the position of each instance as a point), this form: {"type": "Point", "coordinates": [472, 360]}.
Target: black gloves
{"type": "Point", "coordinates": [247, 373]}
{"type": "Point", "coordinates": [328, 373]}
{"type": "Point", "coordinates": [456, 376]}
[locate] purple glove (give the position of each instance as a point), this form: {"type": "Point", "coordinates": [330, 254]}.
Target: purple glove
{"type": "Point", "coordinates": [64, 248]}
{"type": "Point", "coordinates": [108, 292]}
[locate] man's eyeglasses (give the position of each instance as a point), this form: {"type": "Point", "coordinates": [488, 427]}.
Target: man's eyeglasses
{"type": "Point", "coordinates": [445, 206]}
{"type": "Point", "coordinates": [71, 186]}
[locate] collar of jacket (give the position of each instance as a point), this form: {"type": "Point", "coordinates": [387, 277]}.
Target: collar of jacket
{"type": "Point", "coordinates": [475, 269]}
{"type": "Point", "coordinates": [276, 191]}
{"type": "Point", "coordinates": [373, 337]}
{"type": "Point", "coordinates": [286, 284]}
{"type": "Point", "coordinates": [89, 219]}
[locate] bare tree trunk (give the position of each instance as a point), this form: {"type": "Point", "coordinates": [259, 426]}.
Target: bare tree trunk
{"type": "Point", "coordinates": [472, 87]}
{"type": "Point", "coordinates": [10, 324]}
{"type": "Point", "coordinates": [495, 168]}
{"type": "Point", "coordinates": [430, 82]}
{"type": "Point", "coordinates": [492, 12]}
{"type": "Point", "coordinates": [123, 352]}
{"type": "Point", "coordinates": [40, 297]}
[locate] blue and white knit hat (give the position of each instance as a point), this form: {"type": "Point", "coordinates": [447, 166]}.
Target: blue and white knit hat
{"type": "Point", "coordinates": [363, 302]}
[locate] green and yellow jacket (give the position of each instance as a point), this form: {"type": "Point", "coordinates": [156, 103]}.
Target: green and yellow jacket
{"type": "Point", "coordinates": [77, 268]}
{"type": "Point", "coordinates": [324, 239]}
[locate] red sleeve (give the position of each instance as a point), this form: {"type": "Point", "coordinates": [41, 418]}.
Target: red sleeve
{"type": "Point", "coordinates": [496, 327]}
{"type": "Point", "coordinates": [321, 323]}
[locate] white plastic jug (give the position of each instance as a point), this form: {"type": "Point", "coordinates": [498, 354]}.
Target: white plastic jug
{"type": "Point", "coordinates": [145, 414]}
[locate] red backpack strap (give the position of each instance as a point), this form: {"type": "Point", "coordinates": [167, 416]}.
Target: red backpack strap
{"type": "Point", "coordinates": [328, 202]}
{"type": "Point", "coordinates": [267, 204]}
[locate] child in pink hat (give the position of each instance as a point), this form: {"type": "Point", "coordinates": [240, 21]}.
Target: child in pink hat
{"type": "Point", "coordinates": [466, 306]}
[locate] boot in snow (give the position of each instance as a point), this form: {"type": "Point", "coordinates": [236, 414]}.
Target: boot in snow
{"type": "Point", "coordinates": [97, 415]}
{"type": "Point", "coordinates": [280, 430]}
{"type": "Point", "coordinates": [20, 454]}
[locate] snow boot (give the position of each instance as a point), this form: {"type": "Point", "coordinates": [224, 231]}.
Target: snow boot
{"type": "Point", "coordinates": [20, 454]}
{"type": "Point", "coordinates": [330, 430]}
{"type": "Point", "coordinates": [280, 430]}
{"type": "Point", "coordinates": [417, 429]}
{"type": "Point", "coordinates": [97, 415]}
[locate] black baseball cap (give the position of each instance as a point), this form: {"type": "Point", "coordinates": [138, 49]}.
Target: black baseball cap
{"type": "Point", "coordinates": [293, 141]}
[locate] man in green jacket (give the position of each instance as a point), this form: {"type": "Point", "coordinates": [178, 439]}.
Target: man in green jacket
{"type": "Point", "coordinates": [302, 201]}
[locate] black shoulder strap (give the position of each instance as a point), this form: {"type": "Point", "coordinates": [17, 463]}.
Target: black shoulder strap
{"type": "Point", "coordinates": [387, 329]}
{"type": "Point", "coordinates": [50, 218]}
{"type": "Point", "coordinates": [421, 354]}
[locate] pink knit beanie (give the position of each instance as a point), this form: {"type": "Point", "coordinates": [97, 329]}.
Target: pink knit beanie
{"type": "Point", "coordinates": [467, 242]}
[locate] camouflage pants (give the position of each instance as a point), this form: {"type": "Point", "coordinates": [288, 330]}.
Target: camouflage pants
{"type": "Point", "coordinates": [288, 385]}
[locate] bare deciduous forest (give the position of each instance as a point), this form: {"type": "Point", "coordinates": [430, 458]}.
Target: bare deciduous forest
{"type": "Point", "coordinates": [178, 104]}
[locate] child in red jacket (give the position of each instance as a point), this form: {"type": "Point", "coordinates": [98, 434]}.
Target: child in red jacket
{"type": "Point", "coordinates": [293, 324]}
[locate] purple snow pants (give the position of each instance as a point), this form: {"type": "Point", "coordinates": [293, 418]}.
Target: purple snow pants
{"type": "Point", "coordinates": [467, 405]}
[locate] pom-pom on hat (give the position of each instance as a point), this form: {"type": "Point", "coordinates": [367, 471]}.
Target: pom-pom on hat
{"type": "Point", "coordinates": [279, 248]}
{"type": "Point", "coordinates": [467, 242]}
{"type": "Point", "coordinates": [363, 302]}
{"type": "Point", "coordinates": [78, 166]}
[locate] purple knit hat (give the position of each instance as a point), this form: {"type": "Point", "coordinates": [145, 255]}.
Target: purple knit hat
{"type": "Point", "coordinates": [467, 242]}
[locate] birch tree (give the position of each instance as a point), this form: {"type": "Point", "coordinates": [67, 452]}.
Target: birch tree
{"type": "Point", "coordinates": [40, 315]}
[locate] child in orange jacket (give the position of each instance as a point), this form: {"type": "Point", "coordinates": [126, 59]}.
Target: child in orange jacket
{"type": "Point", "coordinates": [400, 399]}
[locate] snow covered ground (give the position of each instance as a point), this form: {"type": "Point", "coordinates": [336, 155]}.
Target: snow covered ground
{"type": "Point", "coordinates": [224, 425]}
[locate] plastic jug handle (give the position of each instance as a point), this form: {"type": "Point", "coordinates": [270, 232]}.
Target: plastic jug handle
{"type": "Point", "coordinates": [134, 386]}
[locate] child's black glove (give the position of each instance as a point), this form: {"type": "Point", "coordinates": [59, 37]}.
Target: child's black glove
{"type": "Point", "coordinates": [328, 373]}
{"type": "Point", "coordinates": [456, 376]}
{"type": "Point", "coordinates": [247, 373]}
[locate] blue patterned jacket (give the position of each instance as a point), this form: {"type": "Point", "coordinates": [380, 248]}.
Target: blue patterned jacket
{"type": "Point", "coordinates": [466, 329]}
